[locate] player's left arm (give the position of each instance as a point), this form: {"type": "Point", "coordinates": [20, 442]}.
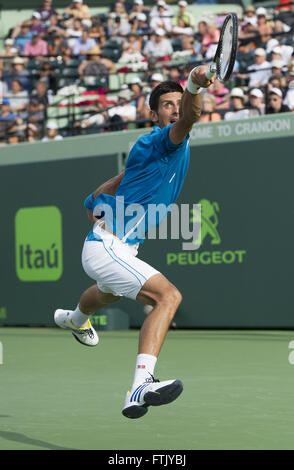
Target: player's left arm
{"type": "Point", "coordinates": [190, 108]}
{"type": "Point", "coordinates": [109, 187]}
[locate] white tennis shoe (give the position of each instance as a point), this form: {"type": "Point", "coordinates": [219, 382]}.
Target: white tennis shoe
{"type": "Point", "coordinates": [86, 335]}
{"type": "Point", "coordinates": [150, 393]}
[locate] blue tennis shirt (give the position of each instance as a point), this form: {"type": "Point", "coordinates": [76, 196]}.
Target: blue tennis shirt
{"type": "Point", "coordinates": [154, 176]}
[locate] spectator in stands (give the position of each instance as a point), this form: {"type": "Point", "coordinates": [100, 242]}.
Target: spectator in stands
{"type": "Point", "coordinates": [131, 46]}
{"type": "Point", "coordinates": [125, 4]}
{"type": "Point", "coordinates": [277, 67]}
{"type": "Point", "coordinates": [138, 7]}
{"type": "Point", "coordinates": [174, 73]}
{"type": "Point", "coordinates": [201, 31]}
{"type": "Point", "coordinates": [136, 87]}
{"type": "Point", "coordinates": [33, 114]}
{"type": "Point", "coordinates": [95, 66]}
{"type": "Point", "coordinates": [91, 122]}
{"type": "Point", "coordinates": [78, 9]}
{"type": "Point", "coordinates": [237, 111]}
{"type": "Point", "coordinates": [140, 25]}
{"type": "Point", "coordinates": [256, 101]}
{"type": "Point", "coordinates": [55, 28]}
{"type": "Point", "coordinates": [124, 111]}
{"type": "Point", "coordinates": [210, 38]}
{"type": "Point", "coordinates": [52, 132]}
{"type": "Point", "coordinates": [155, 10]}
{"type": "Point", "coordinates": [47, 74]}
{"type": "Point", "coordinates": [250, 15]}
{"type": "Point", "coordinates": [289, 94]}
{"type": "Point", "coordinates": [3, 85]}
{"type": "Point", "coordinates": [161, 20]}
{"type": "Point", "coordinates": [40, 95]}
{"type": "Point", "coordinates": [22, 35]}
{"type": "Point", "coordinates": [37, 47]}
{"type": "Point", "coordinates": [83, 44]}
{"type": "Point", "coordinates": [275, 102]}
{"type": "Point", "coordinates": [7, 118]}
{"type": "Point", "coordinates": [184, 21]}
{"type": "Point", "coordinates": [58, 46]}
{"type": "Point", "coordinates": [46, 11]}
{"type": "Point", "coordinates": [156, 79]}
{"type": "Point", "coordinates": [18, 97]}
{"type": "Point", "coordinates": [96, 31]}
{"type": "Point", "coordinates": [18, 72]}
{"type": "Point", "coordinates": [263, 27]}
{"type": "Point", "coordinates": [260, 71]}
{"type": "Point", "coordinates": [160, 47]}
{"type": "Point", "coordinates": [286, 16]}
{"type": "Point", "coordinates": [74, 32]}
{"type": "Point", "coordinates": [221, 94]}
{"type": "Point", "coordinates": [119, 11]}
{"type": "Point", "coordinates": [118, 27]}
{"type": "Point", "coordinates": [209, 112]}
{"type": "Point", "coordinates": [10, 51]}
{"type": "Point", "coordinates": [32, 133]}
{"type": "Point", "coordinates": [189, 45]}
{"type": "Point", "coordinates": [36, 25]}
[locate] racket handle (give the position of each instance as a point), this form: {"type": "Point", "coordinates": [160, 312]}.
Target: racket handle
{"type": "Point", "coordinates": [211, 71]}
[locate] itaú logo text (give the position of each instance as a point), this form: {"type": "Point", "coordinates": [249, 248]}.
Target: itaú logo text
{"type": "Point", "coordinates": [38, 243]}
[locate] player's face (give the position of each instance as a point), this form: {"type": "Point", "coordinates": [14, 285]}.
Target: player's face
{"type": "Point", "coordinates": [168, 110]}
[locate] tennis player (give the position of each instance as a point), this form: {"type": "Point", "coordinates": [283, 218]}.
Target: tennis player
{"type": "Point", "coordinates": [154, 174]}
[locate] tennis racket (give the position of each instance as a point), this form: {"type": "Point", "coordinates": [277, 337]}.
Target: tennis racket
{"type": "Point", "coordinates": [225, 56]}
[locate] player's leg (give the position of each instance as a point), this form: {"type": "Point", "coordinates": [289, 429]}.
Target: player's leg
{"type": "Point", "coordinates": [165, 299]}
{"type": "Point", "coordinates": [77, 321]}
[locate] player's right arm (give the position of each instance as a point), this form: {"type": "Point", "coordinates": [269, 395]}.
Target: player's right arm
{"type": "Point", "coordinates": [109, 187]}
{"type": "Point", "coordinates": [190, 108]}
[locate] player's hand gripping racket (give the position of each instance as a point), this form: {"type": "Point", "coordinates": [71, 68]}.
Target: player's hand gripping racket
{"type": "Point", "coordinates": [225, 56]}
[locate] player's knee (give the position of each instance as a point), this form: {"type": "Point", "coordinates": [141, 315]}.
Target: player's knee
{"type": "Point", "coordinates": [172, 298]}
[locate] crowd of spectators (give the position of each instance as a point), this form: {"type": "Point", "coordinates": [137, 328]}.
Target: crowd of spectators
{"type": "Point", "coordinates": [72, 53]}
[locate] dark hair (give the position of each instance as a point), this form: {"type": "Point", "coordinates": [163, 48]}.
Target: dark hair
{"type": "Point", "coordinates": [164, 87]}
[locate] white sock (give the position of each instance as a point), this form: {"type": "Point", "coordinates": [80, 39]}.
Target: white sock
{"type": "Point", "coordinates": [145, 365]}
{"type": "Point", "coordinates": [79, 319]}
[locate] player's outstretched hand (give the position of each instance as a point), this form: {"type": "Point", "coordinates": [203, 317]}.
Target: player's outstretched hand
{"type": "Point", "coordinates": [199, 76]}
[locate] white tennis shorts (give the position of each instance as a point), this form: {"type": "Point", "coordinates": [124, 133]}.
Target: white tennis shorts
{"type": "Point", "coordinates": [114, 266]}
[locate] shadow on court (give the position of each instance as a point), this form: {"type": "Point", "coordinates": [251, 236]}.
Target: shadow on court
{"type": "Point", "coordinates": [17, 437]}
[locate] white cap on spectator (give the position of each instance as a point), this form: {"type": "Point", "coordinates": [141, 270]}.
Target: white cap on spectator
{"type": "Point", "coordinates": [125, 94]}
{"type": "Point", "coordinates": [18, 60]}
{"type": "Point", "coordinates": [138, 2]}
{"type": "Point", "coordinates": [261, 11]}
{"type": "Point", "coordinates": [159, 32]}
{"type": "Point", "coordinates": [161, 3]}
{"type": "Point", "coordinates": [276, 91]}
{"type": "Point", "coordinates": [135, 80]}
{"type": "Point", "coordinates": [77, 1]}
{"type": "Point", "coordinates": [278, 64]}
{"type": "Point", "coordinates": [141, 17]}
{"type": "Point", "coordinates": [260, 52]}
{"type": "Point", "coordinates": [36, 14]}
{"type": "Point", "coordinates": [183, 3]}
{"type": "Point", "coordinates": [277, 50]}
{"type": "Point", "coordinates": [256, 92]}
{"type": "Point", "coordinates": [237, 93]}
{"type": "Point", "coordinates": [52, 125]}
{"type": "Point", "coordinates": [9, 42]}
{"type": "Point", "coordinates": [157, 77]}
{"type": "Point", "coordinates": [271, 44]}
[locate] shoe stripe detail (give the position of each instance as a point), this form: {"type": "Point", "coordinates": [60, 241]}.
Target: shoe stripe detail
{"type": "Point", "coordinates": [133, 397]}
{"type": "Point", "coordinates": [139, 396]}
{"type": "Point", "coordinates": [137, 393]}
